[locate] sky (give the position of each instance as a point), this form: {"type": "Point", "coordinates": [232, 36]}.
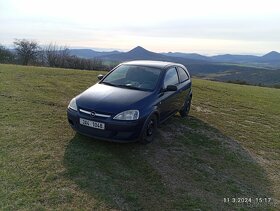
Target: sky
{"type": "Point", "coordinates": [207, 27]}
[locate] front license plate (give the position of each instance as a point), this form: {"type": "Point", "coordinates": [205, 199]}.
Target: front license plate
{"type": "Point", "coordinates": [93, 124]}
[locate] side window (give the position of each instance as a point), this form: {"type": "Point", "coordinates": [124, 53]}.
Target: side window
{"type": "Point", "coordinates": [183, 76]}
{"type": "Point", "coordinates": [171, 77]}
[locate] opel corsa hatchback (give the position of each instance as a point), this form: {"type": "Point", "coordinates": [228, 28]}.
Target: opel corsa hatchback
{"type": "Point", "coordinates": [129, 102]}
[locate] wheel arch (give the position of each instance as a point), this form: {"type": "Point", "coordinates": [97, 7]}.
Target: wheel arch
{"type": "Point", "coordinates": [154, 112]}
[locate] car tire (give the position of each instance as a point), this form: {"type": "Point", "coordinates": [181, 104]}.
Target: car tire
{"type": "Point", "coordinates": [149, 130]}
{"type": "Point", "coordinates": [186, 108]}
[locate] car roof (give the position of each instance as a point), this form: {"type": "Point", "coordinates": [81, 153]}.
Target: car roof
{"type": "Point", "coordinates": [150, 63]}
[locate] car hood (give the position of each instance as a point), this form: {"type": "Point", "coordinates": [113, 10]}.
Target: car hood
{"type": "Point", "coordinates": [109, 99]}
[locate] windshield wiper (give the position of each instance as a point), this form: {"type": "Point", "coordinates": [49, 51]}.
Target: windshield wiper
{"type": "Point", "coordinates": [108, 83]}
{"type": "Point", "coordinates": [122, 86]}
{"type": "Point", "coordinates": [129, 87]}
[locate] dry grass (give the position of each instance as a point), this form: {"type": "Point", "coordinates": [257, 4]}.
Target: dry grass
{"type": "Point", "coordinates": [228, 147]}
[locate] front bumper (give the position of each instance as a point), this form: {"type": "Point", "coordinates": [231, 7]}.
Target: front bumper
{"type": "Point", "coordinates": [115, 130]}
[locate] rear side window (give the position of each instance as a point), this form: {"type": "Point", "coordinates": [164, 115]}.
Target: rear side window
{"type": "Point", "coordinates": [171, 77]}
{"type": "Point", "coordinates": [183, 76]}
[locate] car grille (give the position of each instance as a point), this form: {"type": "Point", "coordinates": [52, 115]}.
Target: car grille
{"type": "Point", "coordinates": [94, 113]}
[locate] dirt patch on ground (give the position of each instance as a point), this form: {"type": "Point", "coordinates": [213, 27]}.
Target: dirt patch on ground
{"type": "Point", "coordinates": [203, 110]}
{"type": "Point", "coordinates": [191, 169]}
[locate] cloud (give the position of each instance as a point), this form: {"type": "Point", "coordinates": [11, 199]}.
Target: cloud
{"type": "Point", "coordinates": [213, 24]}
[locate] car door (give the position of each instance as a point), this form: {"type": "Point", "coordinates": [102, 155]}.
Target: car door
{"type": "Point", "coordinates": [168, 98]}
{"type": "Point", "coordinates": [184, 86]}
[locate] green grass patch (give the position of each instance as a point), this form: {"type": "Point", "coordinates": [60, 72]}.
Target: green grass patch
{"type": "Point", "coordinates": [227, 147]}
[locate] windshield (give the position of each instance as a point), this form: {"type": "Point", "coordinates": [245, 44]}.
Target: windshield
{"type": "Point", "coordinates": [133, 77]}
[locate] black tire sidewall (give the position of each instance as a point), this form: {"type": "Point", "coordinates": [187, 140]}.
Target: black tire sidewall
{"type": "Point", "coordinates": [143, 138]}
{"type": "Point", "coordinates": [187, 107]}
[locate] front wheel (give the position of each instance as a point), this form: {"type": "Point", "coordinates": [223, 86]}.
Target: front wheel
{"type": "Point", "coordinates": [186, 108]}
{"type": "Point", "coordinates": [149, 130]}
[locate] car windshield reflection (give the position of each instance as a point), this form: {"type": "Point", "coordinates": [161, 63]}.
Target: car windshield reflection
{"type": "Point", "coordinates": [133, 77]}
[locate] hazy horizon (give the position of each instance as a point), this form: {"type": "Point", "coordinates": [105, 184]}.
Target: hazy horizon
{"type": "Point", "coordinates": [207, 28]}
{"type": "Point", "coordinates": [11, 46]}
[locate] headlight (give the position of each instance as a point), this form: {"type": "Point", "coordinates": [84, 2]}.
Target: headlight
{"type": "Point", "coordinates": [73, 104]}
{"type": "Point", "coordinates": [128, 115]}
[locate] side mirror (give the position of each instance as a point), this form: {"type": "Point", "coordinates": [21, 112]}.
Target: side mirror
{"type": "Point", "coordinates": [171, 88]}
{"type": "Point", "coordinates": [100, 76]}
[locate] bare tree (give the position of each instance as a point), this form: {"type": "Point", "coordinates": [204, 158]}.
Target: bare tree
{"type": "Point", "coordinates": [29, 52]}
{"type": "Point", "coordinates": [26, 50]}
{"type": "Point", "coordinates": [57, 56]}
{"type": "Point", "coordinates": [51, 54]}
{"type": "Point", "coordinates": [6, 56]}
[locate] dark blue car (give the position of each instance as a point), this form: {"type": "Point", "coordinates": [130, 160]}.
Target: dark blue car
{"type": "Point", "coordinates": [129, 102]}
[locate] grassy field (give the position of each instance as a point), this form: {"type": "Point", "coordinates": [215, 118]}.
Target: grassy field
{"type": "Point", "coordinates": [227, 148]}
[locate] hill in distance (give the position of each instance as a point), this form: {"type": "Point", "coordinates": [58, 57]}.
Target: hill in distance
{"type": "Point", "coordinates": [136, 53]}
{"type": "Point", "coordinates": [271, 56]}
{"type": "Point", "coordinates": [233, 58]}
{"type": "Point", "coordinates": [271, 59]}
{"type": "Point", "coordinates": [248, 68]}
{"type": "Point", "coordinates": [140, 53]}
{"type": "Point", "coordinates": [187, 55]}
{"type": "Point", "coordinates": [89, 53]}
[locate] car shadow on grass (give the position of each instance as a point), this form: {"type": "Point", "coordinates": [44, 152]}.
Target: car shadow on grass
{"type": "Point", "coordinates": [189, 165]}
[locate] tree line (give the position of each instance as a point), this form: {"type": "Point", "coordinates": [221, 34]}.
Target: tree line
{"type": "Point", "coordinates": [29, 52]}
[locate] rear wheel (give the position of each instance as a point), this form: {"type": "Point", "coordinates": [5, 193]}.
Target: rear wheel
{"type": "Point", "coordinates": [149, 130]}
{"type": "Point", "coordinates": [186, 108]}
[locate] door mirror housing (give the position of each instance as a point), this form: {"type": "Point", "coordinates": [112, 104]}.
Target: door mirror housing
{"type": "Point", "coordinates": [100, 76]}
{"type": "Point", "coordinates": [171, 88]}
